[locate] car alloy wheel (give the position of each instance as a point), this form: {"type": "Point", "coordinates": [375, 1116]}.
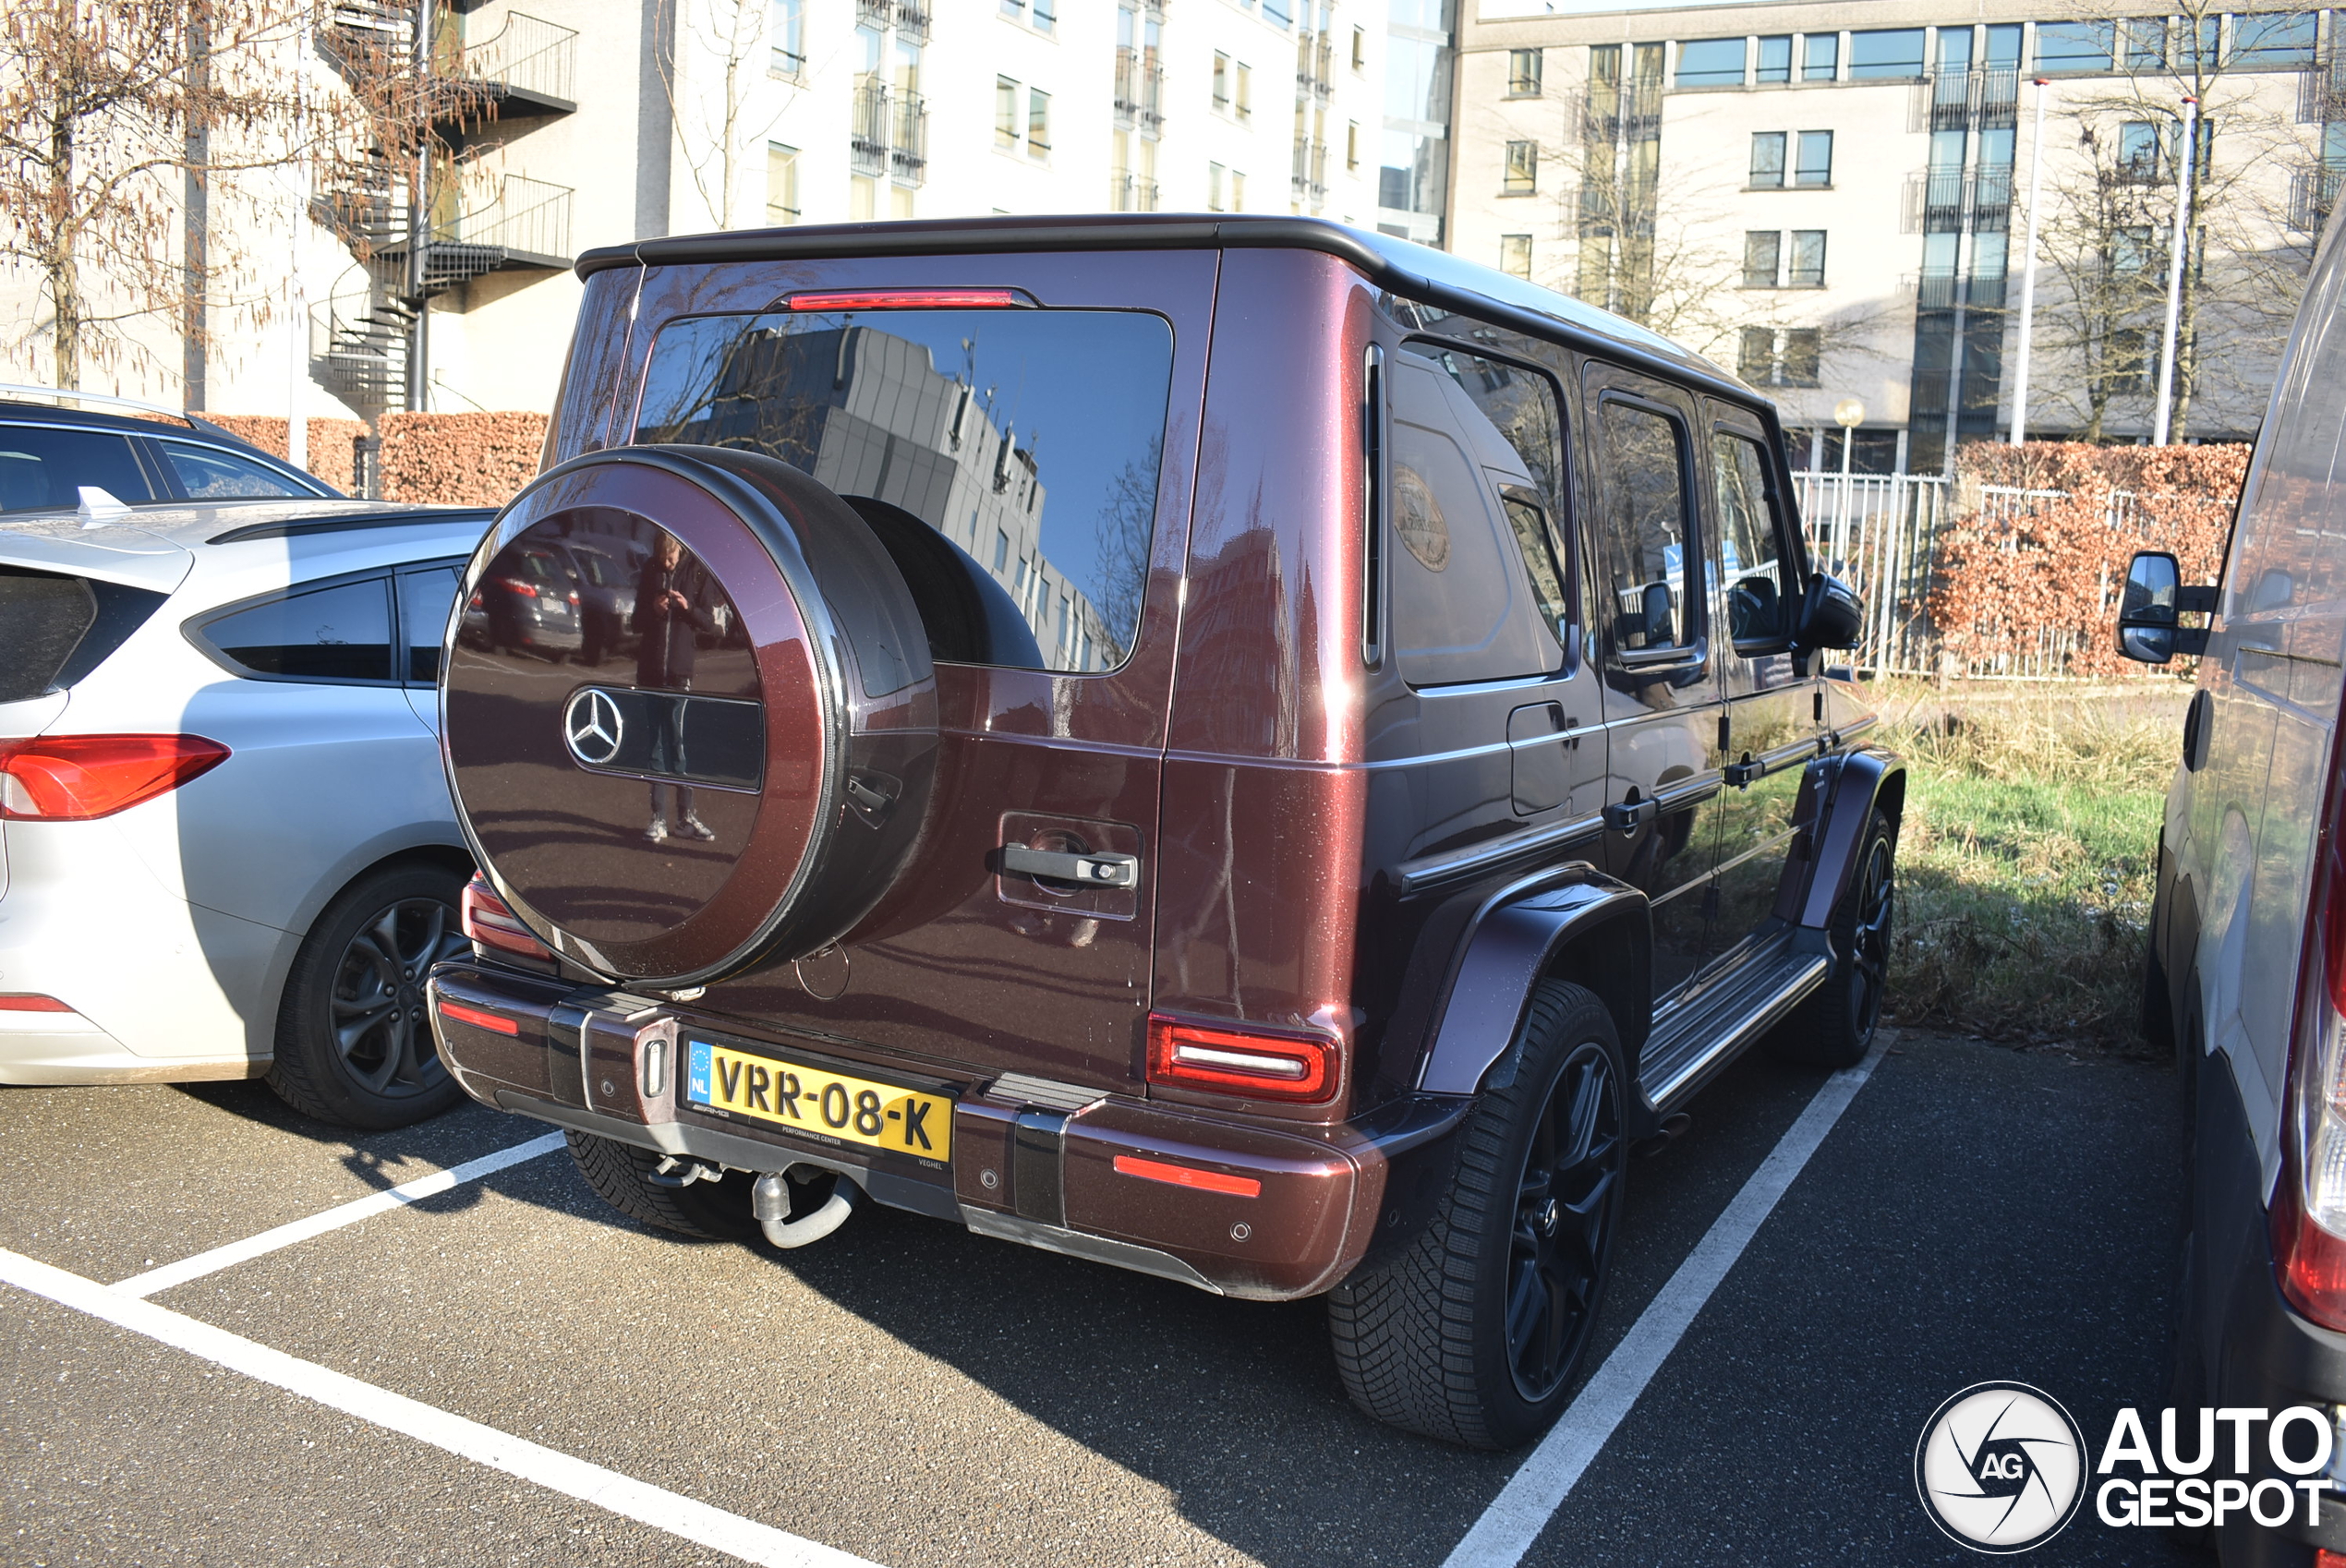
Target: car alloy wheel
{"type": "Point", "coordinates": [379, 1026]}
{"type": "Point", "coordinates": [1562, 1214]}
{"type": "Point", "coordinates": [1870, 939]}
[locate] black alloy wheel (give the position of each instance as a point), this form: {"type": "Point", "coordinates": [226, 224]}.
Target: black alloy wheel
{"type": "Point", "coordinates": [1471, 1331]}
{"type": "Point", "coordinates": [1563, 1223]}
{"type": "Point", "coordinates": [1835, 1027]}
{"type": "Point", "coordinates": [353, 1035]}
{"type": "Point", "coordinates": [380, 1027]}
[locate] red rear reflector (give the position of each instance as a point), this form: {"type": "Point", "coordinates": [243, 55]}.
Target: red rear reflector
{"type": "Point", "coordinates": [478, 1018]}
{"type": "Point", "coordinates": [1262, 1066]}
{"type": "Point", "coordinates": [28, 1003]}
{"type": "Point", "coordinates": [491, 923]}
{"type": "Point", "coordinates": [77, 778]}
{"type": "Point", "coordinates": [908, 299]}
{"type": "Point", "coordinates": [2325, 1557]}
{"type": "Point", "coordinates": [1189, 1175]}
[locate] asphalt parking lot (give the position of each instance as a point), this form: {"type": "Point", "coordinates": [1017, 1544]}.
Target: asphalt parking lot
{"type": "Point", "coordinates": [910, 1394]}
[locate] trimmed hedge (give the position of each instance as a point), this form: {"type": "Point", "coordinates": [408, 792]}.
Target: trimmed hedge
{"type": "Point", "coordinates": [453, 458]}
{"type": "Point", "coordinates": [2056, 562]}
{"type": "Point", "coordinates": [330, 441]}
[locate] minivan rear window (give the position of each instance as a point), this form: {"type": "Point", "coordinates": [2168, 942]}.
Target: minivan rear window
{"type": "Point", "coordinates": [1029, 440]}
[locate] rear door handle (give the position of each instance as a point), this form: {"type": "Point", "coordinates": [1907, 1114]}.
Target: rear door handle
{"type": "Point", "coordinates": [1100, 870]}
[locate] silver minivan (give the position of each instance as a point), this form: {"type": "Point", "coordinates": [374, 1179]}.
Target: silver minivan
{"type": "Point", "coordinates": [2245, 978]}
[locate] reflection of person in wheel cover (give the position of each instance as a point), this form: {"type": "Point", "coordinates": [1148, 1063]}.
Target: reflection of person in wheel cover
{"type": "Point", "coordinates": [667, 621]}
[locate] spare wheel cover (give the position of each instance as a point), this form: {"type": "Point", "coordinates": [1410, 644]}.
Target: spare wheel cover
{"type": "Point", "coordinates": [796, 719]}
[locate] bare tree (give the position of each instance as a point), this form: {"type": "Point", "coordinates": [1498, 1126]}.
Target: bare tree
{"type": "Point", "coordinates": [2109, 229]}
{"type": "Point", "coordinates": [107, 106]}
{"type": "Point", "coordinates": [716, 128]}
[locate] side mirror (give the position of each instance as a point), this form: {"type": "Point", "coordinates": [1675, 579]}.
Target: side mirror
{"type": "Point", "coordinates": [2150, 629]}
{"type": "Point", "coordinates": [1653, 607]}
{"type": "Point", "coordinates": [1832, 615]}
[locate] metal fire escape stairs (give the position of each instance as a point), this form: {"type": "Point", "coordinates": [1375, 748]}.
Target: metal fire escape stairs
{"type": "Point", "coordinates": [368, 341]}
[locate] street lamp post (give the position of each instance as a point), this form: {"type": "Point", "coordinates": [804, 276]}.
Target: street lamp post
{"type": "Point", "coordinates": [2028, 274]}
{"type": "Point", "coordinates": [1849, 413]}
{"type": "Point", "coordinates": [2175, 276]}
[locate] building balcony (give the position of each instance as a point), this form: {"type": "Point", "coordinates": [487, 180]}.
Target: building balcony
{"type": "Point", "coordinates": [1140, 92]}
{"type": "Point", "coordinates": [1940, 202]}
{"type": "Point", "coordinates": [867, 130]}
{"type": "Point", "coordinates": [908, 140]}
{"type": "Point", "coordinates": [525, 70]}
{"type": "Point", "coordinates": [2311, 194]}
{"type": "Point", "coordinates": [1130, 193]}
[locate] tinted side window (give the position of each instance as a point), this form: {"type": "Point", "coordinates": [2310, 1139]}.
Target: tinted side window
{"type": "Point", "coordinates": [208, 474]}
{"type": "Point", "coordinates": [425, 599]}
{"type": "Point", "coordinates": [44, 465]}
{"type": "Point", "coordinates": [1645, 528]}
{"type": "Point", "coordinates": [1760, 585]}
{"type": "Point", "coordinates": [337, 634]}
{"type": "Point", "coordinates": [1463, 606]}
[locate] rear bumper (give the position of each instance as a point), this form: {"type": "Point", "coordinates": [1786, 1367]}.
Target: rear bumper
{"type": "Point", "coordinates": [1283, 1213]}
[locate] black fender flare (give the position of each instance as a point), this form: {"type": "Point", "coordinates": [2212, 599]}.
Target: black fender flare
{"type": "Point", "coordinates": [1847, 786]}
{"type": "Point", "coordinates": [1522, 934]}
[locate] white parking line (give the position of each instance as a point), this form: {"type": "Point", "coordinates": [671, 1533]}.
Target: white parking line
{"type": "Point", "coordinates": [631, 1498]}
{"type": "Point", "coordinates": [348, 1213]}
{"type": "Point", "coordinates": [1522, 1509]}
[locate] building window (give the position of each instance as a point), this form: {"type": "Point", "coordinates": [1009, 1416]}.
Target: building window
{"type": "Point", "coordinates": [782, 185]}
{"type": "Point", "coordinates": [1767, 160]}
{"type": "Point", "coordinates": [1521, 176]}
{"type": "Point", "coordinates": [1775, 60]}
{"type": "Point", "coordinates": [1807, 269]}
{"type": "Point", "coordinates": [1245, 91]}
{"type": "Point", "coordinates": [1012, 8]}
{"type": "Point", "coordinates": [1351, 145]}
{"type": "Point", "coordinates": [2138, 153]}
{"type": "Point", "coordinates": [1514, 254]}
{"type": "Point", "coordinates": [1891, 53]}
{"type": "Point", "coordinates": [1815, 165]}
{"type": "Point", "coordinates": [1004, 111]}
{"type": "Point", "coordinates": [1762, 248]}
{"type": "Point", "coordinates": [1360, 49]}
{"type": "Point", "coordinates": [1820, 57]}
{"type": "Point", "coordinates": [1214, 174]}
{"type": "Point", "coordinates": [1756, 356]}
{"type": "Point", "coordinates": [2146, 43]}
{"type": "Point", "coordinates": [1237, 191]}
{"type": "Point", "coordinates": [1047, 16]}
{"type": "Point", "coordinates": [2130, 250]}
{"type": "Point", "coordinates": [1710, 62]}
{"type": "Point", "coordinates": [862, 199]}
{"type": "Point", "coordinates": [1038, 122]}
{"type": "Point", "coordinates": [2126, 360]}
{"type": "Point", "coordinates": [1221, 82]}
{"type": "Point", "coordinates": [2083, 48]}
{"type": "Point", "coordinates": [1802, 352]}
{"type": "Point", "coordinates": [2273, 43]}
{"type": "Point", "coordinates": [788, 56]}
{"type": "Point", "coordinates": [1523, 73]}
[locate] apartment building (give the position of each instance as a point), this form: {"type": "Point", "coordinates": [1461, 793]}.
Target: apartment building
{"type": "Point", "coordinates": [437, 276]}
{"type": "Point", "coordinates": [1832, 197]}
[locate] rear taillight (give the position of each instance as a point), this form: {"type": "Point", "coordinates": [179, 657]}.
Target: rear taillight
{"type": "Point", "coordinates": [515, 586]}
{"type": "Point", "coordinates": [478, 1018]}
{"type": "Point", "coordinates": [25, 1002]}
{"type": "Point", "coordinates": [488, 923]}
{"type": "Point", "coordinates": [1258, 1065]}
{"type": "Point", "coordinates": [2309, 1204]}
{"type": "Point", "coordinates": [76, 777]}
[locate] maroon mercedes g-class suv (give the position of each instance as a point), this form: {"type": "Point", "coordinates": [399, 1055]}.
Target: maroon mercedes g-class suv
{"type": "Point", "coordinates": [1234, 748]}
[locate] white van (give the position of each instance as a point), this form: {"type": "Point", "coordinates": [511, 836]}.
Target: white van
{"type": "Point", "coordinates": [2246, 974]}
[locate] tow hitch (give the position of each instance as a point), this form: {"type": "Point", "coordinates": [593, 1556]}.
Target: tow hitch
{"type": "Point", "coordinates": [802, 1204]}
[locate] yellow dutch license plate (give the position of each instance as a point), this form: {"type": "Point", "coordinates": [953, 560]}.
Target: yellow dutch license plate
{"type": "Point", "coordinates": [808, 1099]}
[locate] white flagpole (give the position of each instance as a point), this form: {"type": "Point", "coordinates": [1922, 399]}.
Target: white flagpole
{"type": "Point", "coordinates": [2175, 277]}
{"type": "Point", "coordinates": [2028, 274]}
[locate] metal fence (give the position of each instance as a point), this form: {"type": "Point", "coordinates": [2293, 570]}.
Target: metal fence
{"type": "Point", "coordinates": [1878, 533]}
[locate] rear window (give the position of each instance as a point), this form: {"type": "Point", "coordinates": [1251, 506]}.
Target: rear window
{"type": "Point", "coordinates": [45, 465]}
{"type": "Point", "coordinates": [341, 632]}
{"type": "Point", "coordinates": [54, 629]}
{"type": "Point", "coordinates": [1029, 439]}
{"type": "Point", "coordinates": [210, 475]}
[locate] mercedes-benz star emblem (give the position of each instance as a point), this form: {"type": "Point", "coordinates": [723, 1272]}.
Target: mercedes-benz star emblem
{"type": "Point", "coordinates": [591, 727]}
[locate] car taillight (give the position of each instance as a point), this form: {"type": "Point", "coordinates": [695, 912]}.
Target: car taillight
{"type": "Point", "coordinates": [26, 1002]}
{"type": "Point", "coordinates": [1258, 1065]}
{"type": "Point", "coordinates": [908, 299]}
{"type": "Point", "coordinates": [515, 586]}
{"type": "Point", "coordinates": [491, 923]}
{"type": "Point", "coordinates": [2309, 1204]}
{"type": "Point", "coordinates": [77, 778]}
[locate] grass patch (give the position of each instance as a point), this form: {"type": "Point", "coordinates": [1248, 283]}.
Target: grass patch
{"type": "Point", "coordinates": [2024, 860]}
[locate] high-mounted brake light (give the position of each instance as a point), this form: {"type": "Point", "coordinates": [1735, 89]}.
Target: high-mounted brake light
{"type": "Point", "coordinates": [908, 299]}
{"type": "Point", "coordinates": [478, 1018]}
{"type": "Point", "coordinates": [1188, 1176]}
{"type": "Point", "coordinates": [25, 1002]}
{"type": "Point", "coordinates": [488, 923]}
{"type": "Point", "coordinates": [1258, 1065]}
{"type": "Point", "coordinates": [77, 778]}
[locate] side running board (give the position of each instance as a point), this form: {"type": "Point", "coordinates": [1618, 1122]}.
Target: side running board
{"type": "Point", "coordinates": [1693, 1044]}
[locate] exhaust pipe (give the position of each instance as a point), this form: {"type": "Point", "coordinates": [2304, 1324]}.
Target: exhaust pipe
{"type": "Point", "coordinates": [776, 1192]}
